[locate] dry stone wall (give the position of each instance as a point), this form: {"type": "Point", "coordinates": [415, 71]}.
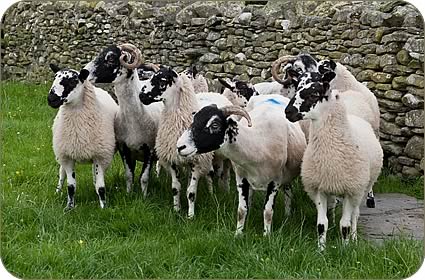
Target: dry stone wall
{"type": "Point", "coordinates": [382, 43]}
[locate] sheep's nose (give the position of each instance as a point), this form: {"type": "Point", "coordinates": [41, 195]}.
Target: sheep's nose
{"type": "Point", "coordinates": [292, 113]}
{"type": "Point", "coordinates": [181, 148]}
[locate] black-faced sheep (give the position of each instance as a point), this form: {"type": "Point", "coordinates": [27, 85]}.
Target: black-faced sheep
{"type": "Point", "coordinates": [180, 102]}
{"type": "Point", "coordinates": [136, 125]}
{"type": "Point", "coordinates": [265, 148]}
{"type": "Point", "coordinates": [343, 155]}
{"type": "Point", "coordinates": [83, 130]}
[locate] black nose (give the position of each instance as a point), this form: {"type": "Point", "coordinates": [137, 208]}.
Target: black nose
{"type": "Point", "coordinates": [292, 113]}
{"type": "Point", "coordinates": [53, 100]}
{"type": "Point", "coordinates": [181, 148]}
{"type": "Point", "coordinates": [145, 99]}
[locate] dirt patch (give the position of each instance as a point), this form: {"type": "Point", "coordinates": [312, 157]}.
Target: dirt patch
{"type": "Point", "coordinates": [395, 215]}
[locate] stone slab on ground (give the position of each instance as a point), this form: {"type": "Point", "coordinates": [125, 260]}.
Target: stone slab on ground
{"type": "Point", "coordinates": [395, 215]}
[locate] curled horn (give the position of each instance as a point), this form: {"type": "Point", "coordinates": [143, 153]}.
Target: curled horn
{"type": "Point", "coordinates": [134, 52]}
{"type": "Point", "coordinates": [276, 67]}
{"type": "Point", "coordinates": [225, 84]}
{"type": "Point", "coordinates": [236, 110]}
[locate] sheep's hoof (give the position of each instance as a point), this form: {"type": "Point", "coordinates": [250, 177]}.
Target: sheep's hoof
{"type": "Point", "coordinates": [68, 208]}
{"type": "Point", "coordinates": [321, 248]}
{"type": "Point", "coordinates": [58, 190]}
{"type": "Point", "coordinates": [370, 202]}
{"type": "Point", "coordinates": [238, 233]}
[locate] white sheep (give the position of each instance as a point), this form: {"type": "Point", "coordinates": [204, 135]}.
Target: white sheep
{"type": "Point", "coordinates": [180, 102]}
{"type": "Point", "coordinates": [83, 129]}
{"type": "Point", "coordinates": [343, 155]}
{"type": "Point", "coordinates": [359, 100]}
{"type": "Point", "coordinates": [265, 148]}
{"type": "Point", "coordinates": [136, 125]}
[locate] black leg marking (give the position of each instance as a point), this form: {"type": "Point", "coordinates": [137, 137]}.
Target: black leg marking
{"type": "Point", "coordinates": [175, 191]}
{"type": "Point", "coordinates": [320, 229]}
{"type": "Point", "coordinates": [174, 167]}
{"type": "Point", "coordinates": [101, 193]}
{"type": "Point", "coordinates": [71, 191]}
{"type": "Point", "coordinates": [191, 196]}
{"type": "Point", "coordinates": [128, 158]}
{"type": "Point", "coordinates": [271, 188]}
{"type": "Point", "coordinates": [146, 157]}
{"type": "Point", "coordinates": [345, 232]}
{"type": "Point", "coordinates": [245, 191]}
{"type": "Point", "coordinates": [73, 174]}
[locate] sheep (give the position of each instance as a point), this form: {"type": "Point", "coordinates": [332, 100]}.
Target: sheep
{"type": "Point", "coordinates": [359, 100]}
{"type": "Point", "coordinates": [198, 80]}
{"type": "Point", "coordinates": [265, 149]}
{"type": "Point", "coordinates": [180, 101]}
{"type": "Point", "coordinates": [83, 129]}
{"type": "Point", "coordinates": [343, 156]}
{"type": "Point", "coordinates": [136, 125]}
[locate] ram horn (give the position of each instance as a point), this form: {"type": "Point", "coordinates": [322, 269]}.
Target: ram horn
{"type": "Point", "coordinates": [236, 110]}
{"type": "Point", "coordinates": [134, 52]}
{"type": "Point", "coordinates": [276, 67]}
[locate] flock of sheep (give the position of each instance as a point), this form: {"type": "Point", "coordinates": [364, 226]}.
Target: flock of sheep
{"type": "Point", "coordinates": [317, 121]}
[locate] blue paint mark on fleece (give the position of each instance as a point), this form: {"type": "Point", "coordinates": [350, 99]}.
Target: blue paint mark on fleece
{"type": "Point", "coordinates": [275, 102]}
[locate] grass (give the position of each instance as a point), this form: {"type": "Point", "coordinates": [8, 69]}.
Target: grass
{"type": "Point", "coordinates": [144, 238]}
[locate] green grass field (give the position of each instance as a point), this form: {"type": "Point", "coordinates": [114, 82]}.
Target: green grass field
{"type": "Point", "coordinates": [144, 238]}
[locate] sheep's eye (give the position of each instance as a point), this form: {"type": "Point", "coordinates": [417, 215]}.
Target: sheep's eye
{"type": "Point", "coordinates": [214, 128]}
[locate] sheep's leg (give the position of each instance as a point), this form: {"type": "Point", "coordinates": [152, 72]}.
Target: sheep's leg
{"type": "Point", "coordinates": [345, 222]}
{"type": "Point", "coordinates": [244, 194]}
{"type": "Point", "coordinates": [272, 190]}
{"type": "Point", "coordinates": [144, 177]}
{"type": "Point", "coordinates": [320, 200]}
{"type": "Point", "coordinates": [210, 178]}
{"type": "Point", "coordinates": [287, 196]}
{"type": "Point", "coordinates": [354, 219]}
{"type": "Point", "coordinates": [157, 168]}
{"type": "Point", "coordinates": [93, 169]}
{"type": "Point", "coordinates": [331, 207]}
{"type": "Point", "coordinates": [100, 183]}
{"type": "Point", "coordinates": [129, 166]}
{"type": "Point", "coordinates": [62, 175]}
{"type": "Point", "coordinates": [192, 190]}
{"type": "Point", "coordinates": [225, 175]}
{"type": "Point", "coordinates": [68, 166]}
{"type": "Point", "coordinates": [176, 186]}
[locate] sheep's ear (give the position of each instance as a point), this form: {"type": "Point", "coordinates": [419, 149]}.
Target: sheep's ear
{"type": "Point", "coordinates": [332, 64]}
{"type": "Point", "coordinates": [54, 68]}
{"type": "Point", "coordinates": [225, 84]}
{"type": "Point", "coordinates": [194, 71]}
{"type": "Point", "coordinates": [328, 77]}
{"type": "Point", "coordinates": [293, 74]}
{"type": "Point", "coordinates": [84, 73]}
{"type": "Point", "coordinates": [173, 73]}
